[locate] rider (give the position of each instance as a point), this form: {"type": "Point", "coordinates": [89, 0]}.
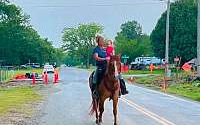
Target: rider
{"type": "Point", "coordinates": [99, 54]}
{"type": "Point", "coordinates": [110, 51]}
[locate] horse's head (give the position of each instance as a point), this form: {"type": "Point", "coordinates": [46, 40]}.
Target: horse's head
{"type": "Point", "coordinates": [114, 64]}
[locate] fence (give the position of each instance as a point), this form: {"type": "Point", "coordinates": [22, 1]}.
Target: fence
{"type": "Point", "coordinates": [6, 73]}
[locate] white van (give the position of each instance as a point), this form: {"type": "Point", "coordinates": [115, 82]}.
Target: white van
{"type": "Point", "coordinates": [48, 69]}
{"type": "Point", "coordinates": [147, 60]}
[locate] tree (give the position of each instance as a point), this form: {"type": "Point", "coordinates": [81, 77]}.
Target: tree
{"type": "Point", "coordinates": [183, 28]}
{"type": "Point", "coordinates": [79, 41]}
{"type": "Point", "coordinates": [131, 30]}
{"type": "Point", "coordinates": [131, 42]}
{"type": "Point", "coordinates": [19, 42]}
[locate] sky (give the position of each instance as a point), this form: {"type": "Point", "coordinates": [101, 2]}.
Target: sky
{"type": "Point", "coordinates": [50, 17]}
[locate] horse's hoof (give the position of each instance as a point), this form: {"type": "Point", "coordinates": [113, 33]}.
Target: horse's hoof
{"type": "Point", "coordinates": [97, 122]}
{"type": "Point", "coordinates": [100, 120]}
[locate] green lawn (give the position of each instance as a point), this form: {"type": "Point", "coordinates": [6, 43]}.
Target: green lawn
{"type": "Point", "coordinates": [186, 90]}
{"type": "Point", "coordinates": [14, 98]}
{"type": "Point", "coordinates": [8, 75]}
{"type": "Point", "coordinates": [23, 71]}
{"type": "Point", "coordinates": [182, 89]}
{"type": "Point", "coordinates": [130, 72]}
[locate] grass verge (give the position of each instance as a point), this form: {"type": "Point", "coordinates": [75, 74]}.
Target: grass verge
{"type": "Point", "coordinates": [14, 98]}
{"type": "Point", "coordinates": [22, 72]}
{"type": "Point", "coordinates": [130, 72]}
{"type": "Point", "coordinates": [181, 89]}
{"type": "Point", "coordinates": [186, 90]}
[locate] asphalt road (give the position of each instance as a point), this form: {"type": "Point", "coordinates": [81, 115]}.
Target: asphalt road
{"type": "Point", "coordinates": [69, 101]}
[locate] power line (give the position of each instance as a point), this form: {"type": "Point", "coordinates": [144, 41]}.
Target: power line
{"type": "Point", "coordinates": [97, 5]}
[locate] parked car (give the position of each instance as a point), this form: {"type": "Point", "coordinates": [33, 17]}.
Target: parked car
{"type": "Point", "coordinates": [48, 69]}
{"type": "Point", "coordinates": [141, 62]}
{"type": "Point", "coordinates": [32, 65]}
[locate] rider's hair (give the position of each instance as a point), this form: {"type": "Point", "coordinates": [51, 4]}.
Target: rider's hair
{"type": "Point", "coordinates": [98, 38]}
{"type": "Point", "coordinates": [110, 41]}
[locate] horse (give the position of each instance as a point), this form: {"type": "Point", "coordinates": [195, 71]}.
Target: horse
{"type": "Point", "coordinates": [109, 87]}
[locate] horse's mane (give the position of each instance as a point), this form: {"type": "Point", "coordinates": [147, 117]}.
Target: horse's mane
{"type": "Point", "coordinates": [110, 70]}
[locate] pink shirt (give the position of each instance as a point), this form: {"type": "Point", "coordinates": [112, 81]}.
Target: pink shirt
{"type": "Point", "coordinates": [109, 51]}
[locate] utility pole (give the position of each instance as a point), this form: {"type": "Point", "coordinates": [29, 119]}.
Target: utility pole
{"type": "Point", "coordinates": [167, 38]}
{"type": "Point", "coordinates": [198, 40]}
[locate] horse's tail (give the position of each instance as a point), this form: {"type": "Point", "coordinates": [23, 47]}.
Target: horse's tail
{"type": "Point", "coordinates": [90, 79]}
{"type": "Point", "coordinates": [94, 106]}
{"type": "Point", "coordinates": [95, 100]}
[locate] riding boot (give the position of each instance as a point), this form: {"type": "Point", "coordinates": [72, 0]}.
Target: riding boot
{"type": "Point", "coordinates": [124, 91]}
{"type": "Point", "coordinates": [120, 93]}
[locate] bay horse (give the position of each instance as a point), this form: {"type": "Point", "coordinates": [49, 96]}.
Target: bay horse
{"type": "Point", "coordinates": [109, 87]}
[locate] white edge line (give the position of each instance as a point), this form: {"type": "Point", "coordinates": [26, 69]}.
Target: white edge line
{"type": "Point", "coordinates": [193, 102]}
{"type": "Point", "coordinates": [149, 112]}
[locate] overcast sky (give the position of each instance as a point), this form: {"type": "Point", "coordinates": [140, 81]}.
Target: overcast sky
{"type": "Point", "coordinates": [49, 17]}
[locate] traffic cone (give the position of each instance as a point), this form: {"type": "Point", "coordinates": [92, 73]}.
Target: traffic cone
{"type": "Point", "coordinates": [46, 78]}
{"type": "Point", "coordinates": [55, 76]}
{"type": "Point", "coordinates": [151, 67]}
{"type": "Point", "coordinates": [33, 79]}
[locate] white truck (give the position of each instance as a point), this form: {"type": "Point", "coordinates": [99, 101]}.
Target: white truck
{"type": "Point", "coordinates": [141, 62]}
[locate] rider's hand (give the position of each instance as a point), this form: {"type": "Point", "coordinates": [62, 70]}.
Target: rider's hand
{"type": "Point", "coordinates": [107, 58]}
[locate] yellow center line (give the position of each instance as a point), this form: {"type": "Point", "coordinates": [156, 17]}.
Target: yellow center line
{"type": "Point", "coordinates": [154, 116]}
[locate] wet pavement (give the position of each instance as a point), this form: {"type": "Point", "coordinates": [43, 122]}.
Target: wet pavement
{"type": "Point", "coordinates": [69, 101]}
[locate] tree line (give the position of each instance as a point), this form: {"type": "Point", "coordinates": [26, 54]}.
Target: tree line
{"type": "Point", "coordinates": [78, 42]}
{"type": "Point", "coordinates": [19, 42]}
{"type": "Point", "coordinates": [183, 31]}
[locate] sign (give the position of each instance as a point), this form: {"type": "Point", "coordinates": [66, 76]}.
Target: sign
{"type": "Point", "coordinates": [125, 57]}
{"type": "Point", "coordinates": [176, 59]}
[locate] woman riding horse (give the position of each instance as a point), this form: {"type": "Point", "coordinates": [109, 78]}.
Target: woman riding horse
{"type": "Point", "coordinates": [99, 54]}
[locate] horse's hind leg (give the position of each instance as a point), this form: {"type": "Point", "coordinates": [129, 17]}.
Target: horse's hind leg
{"type": "Point", "coordinates": [115, 104]}
{"type": "Point", "coordinates": [101, 109]}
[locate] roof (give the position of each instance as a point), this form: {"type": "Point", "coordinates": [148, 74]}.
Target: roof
{"type": "Point", "coordinates": [194, 61]}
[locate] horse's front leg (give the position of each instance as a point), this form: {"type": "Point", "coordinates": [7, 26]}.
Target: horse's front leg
{"type": "Point", "coordinates": [115, 107]}
{"type": "Point", "coordinates": [96, 111]}
{"type": "Point", "coordinates": [101, 109]}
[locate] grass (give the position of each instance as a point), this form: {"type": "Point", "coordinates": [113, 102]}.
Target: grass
{"type": "Point", "coordinates": [11, 74]}
{"type": "Point", "coordinates": [186, 90]}
{"type": "Point", "coordinates": [130, 72]}
{"type": "Point", "coordinates": [23, 71]}
{"type": "Point", "coordinates": [145, 80]}
{"type": "Point", "coordinates": [14, 98]}
{"type": "Point", "coordinates": [146, 71]}
{"type": "Point", "coordinates": [182, 89]}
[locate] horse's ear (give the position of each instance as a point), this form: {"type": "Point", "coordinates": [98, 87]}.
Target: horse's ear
{"type": "Point", "coordinates": [119, 55]}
